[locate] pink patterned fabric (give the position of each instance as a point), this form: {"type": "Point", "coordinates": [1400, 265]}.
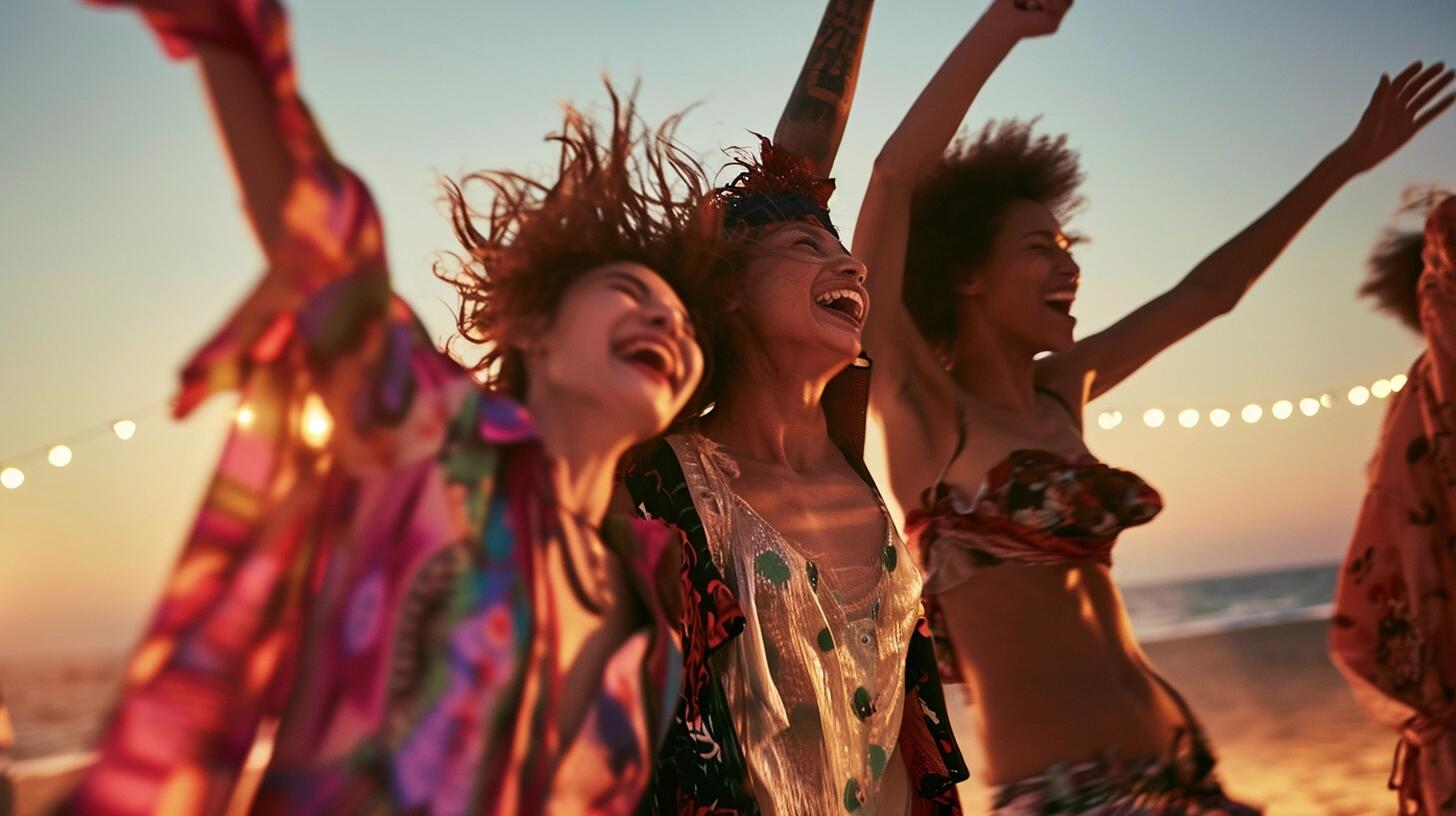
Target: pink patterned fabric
{"type": "Point", "coordinates": [377, 610]}
{"type": "Point", "coordinates": [1394, 632]}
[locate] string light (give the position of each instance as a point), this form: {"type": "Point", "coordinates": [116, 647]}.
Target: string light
{"type": "Point", "coordinates": [1380, 389]}
{"type": "Point", "coordinates": [1218, 417]}
{"type": "Point", "coordinates": [1359, 395]}
{"type": "Point", "coordinates": [1283, 409]}
{"type": "Point", "coordinates": [1309, 406]}
{"type": "Point", "coordinates": [124, 429]}
{"type": "Point", "coordinates": [1326, 401]}
{"type": "Point", "coordinates": [1397, 382]}
{"type": "Point", "coordinates": [1254, 412]}
{"type": "Point", "coordinates": [1251, 413]}
{"type": "Point", "coordinates": [1188, 417]}
{"type": "Point", "coordinates": [1153, 417]}
{"type": "Point", "coordinates": [1107, 420]}
{"type": "Point", "coordinates": [59, 456]}
{"type": "Point", "coordinates": [12, 478]}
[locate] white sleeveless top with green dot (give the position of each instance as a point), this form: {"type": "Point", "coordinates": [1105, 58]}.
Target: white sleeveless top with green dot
{"type": "Point", "coordinates": [816, 681]}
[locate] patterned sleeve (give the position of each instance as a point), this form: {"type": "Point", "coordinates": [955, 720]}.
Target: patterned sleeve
{"type": "Point", "coordinates": [214, 665]}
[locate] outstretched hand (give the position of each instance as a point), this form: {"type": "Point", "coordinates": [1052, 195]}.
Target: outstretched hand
{"type": "Point", "coordinates": [1398, 109]}
{"type": "Point", "coordinates": [1025, 19]}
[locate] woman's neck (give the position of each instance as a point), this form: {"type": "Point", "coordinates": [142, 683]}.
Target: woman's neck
{"type": "Point", "coordinates": [774, 416]}
{"type": "Point", "coordinates": [989, 369]}
{"type": "Point", "coordinates": [584, 448]}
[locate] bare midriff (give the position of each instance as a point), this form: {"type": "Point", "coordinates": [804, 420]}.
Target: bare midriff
{"type": "Point", "coordinates": [1054, 671]}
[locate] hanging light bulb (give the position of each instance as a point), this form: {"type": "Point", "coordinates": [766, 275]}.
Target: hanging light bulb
{"type": "Point", "coordinates": [60, 456]}
{"type": "Point", "coordinates": [1397, 382]}
{"type": "Point", "coordinates": [1380, 389]}
{"type": "Point", "coordinates": [1359, 395]}
{"type": "Point", "coordinates": [1309, 406]}
{"type": "Point", "coordinates": [1188, 417]}
{"type": "Point", "coordinates": [1218, 417]}
{"type": "Point", "coordinates": [124, 429]}
{"type": "Point", "coordinates": [12, 478]}
{"type": "Point", "coordinates": [1252, 413]}
{"type": "Point", "coordinates": [1108, 420]}
{"type": "Point", "coordinates": [1154, 417]}
{"type": "Point", "coordinates": [1283, 409]}
{"type": "Point", "coordinates": [1326, 401]}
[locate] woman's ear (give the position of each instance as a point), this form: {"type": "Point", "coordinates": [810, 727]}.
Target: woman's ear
{"type": "Point", "coordinates": [527, 335]}
{"type": "Point", "coordinates": [969, 285]}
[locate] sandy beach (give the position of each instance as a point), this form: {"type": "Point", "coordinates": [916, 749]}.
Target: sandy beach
{"type": "Point", "coordinates": [1287, 732]}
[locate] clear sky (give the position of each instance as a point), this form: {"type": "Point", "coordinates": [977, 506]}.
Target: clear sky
{"type": "Point", "coordinates": [122, 245]}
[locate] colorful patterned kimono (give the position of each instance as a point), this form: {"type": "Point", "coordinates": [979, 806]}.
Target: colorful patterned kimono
{"type": "Point", "coordinates": [1394, 634]}
{"type": "Point", "coordinates": [362, 616]}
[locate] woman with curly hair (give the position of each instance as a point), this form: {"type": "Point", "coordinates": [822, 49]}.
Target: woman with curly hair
{"type": "Point", "coordinates": [1394, 632]}
{"type": "Point", "coordinates": [403, 592]}
{"type": "Point", "coordinates": [1014, 519]}
{"type": "Point", "coordinates": [809, 684]}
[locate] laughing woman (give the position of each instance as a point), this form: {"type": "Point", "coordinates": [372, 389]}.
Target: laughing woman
{"type": "Point", "coordinates": [810, 684]}
{"type": "Point", "coordinates": [402, 593]}
{"type": "Point", "coordinates": [1015, 519]}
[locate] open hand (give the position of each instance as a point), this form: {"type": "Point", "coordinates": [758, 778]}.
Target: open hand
{"type": "Point", "coordinates": [1398, 109]}
{"type": "Point", "coordinates": [1029, 18]}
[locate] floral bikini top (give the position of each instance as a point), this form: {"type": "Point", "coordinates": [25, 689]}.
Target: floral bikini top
{"type": "Point", "coordinates": [1036, 507]}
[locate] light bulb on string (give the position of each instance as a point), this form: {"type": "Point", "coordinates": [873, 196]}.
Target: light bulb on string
{"type": "Point", "coordinates": [1154, 417]}
{"type": "Point", "coordinates": [1108, 420]}
{"type": "Point", "coordinates": [1309, 406]}
{"type": "Point", "coordinates": [12, 478]}
{"type": "Point", "coordinates": [1188, 417]}
{"type": "Point", "coordinates": [1326, 401]}
{"type": "Point", "coordinates": [59, 456]}
{"type": "Point", "coordinates": [124, 429]}
{"type": "Point", "coordinates": [1359, 395]}
{"type": "Point", "coordinates": [1380, 389]}
{"type": "Point", "coordinates": [1252, 413]}
{"type": "Point", "coordinates": [1218, 417]}
{"type": "Point", "coordinates": [1283, 409]}
{"type": "Point", "coordinates": [1397, 382]}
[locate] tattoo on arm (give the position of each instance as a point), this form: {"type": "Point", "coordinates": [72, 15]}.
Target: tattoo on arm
{"type": "Point", "coordinates": [818, 109]}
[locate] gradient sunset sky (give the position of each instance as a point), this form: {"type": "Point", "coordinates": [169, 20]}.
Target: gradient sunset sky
{"type": "Point", "coordinates": [123, 246]}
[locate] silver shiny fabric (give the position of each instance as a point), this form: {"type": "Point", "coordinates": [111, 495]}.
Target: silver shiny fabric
{"type": "Point", "coordinates": [816, 682]}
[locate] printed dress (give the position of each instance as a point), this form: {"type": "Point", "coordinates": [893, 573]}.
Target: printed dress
{"type": "Point", "coordinates": [1394, 632]}
{"type": "Point", "coordinates": [362, 619]}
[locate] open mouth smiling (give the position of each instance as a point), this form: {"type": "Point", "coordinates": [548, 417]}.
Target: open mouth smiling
{"type": "Point", "coordinates": [652, 356]}
{"type": "Point", "coordinates": [845, 303]}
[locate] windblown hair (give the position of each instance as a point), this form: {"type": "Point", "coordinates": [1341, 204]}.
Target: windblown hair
{"type": "Point", "coordinates": [628, 195]}
{"type": "Point", "coordinates": [1394, 268]}
{"type": "Point", "coordinates": [958, 210]}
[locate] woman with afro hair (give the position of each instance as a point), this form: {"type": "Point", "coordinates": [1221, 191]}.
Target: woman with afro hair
{"type": "Point", "coordinates": [403, 593]}
{"type": "Point", "coordinates": [982, 386]}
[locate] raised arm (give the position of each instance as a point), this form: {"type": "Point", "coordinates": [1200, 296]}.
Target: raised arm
{"type": "Point", "coordinates": [910, 374]}
{"type": "Point", "coordinates": [1398, 109]}
{"type": "Point", "coordinates": [818, 109]}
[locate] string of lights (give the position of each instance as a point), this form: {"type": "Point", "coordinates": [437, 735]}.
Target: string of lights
{"type": "Point", "coordinates": [1253, 412]}
{"type": "Point", "coordinates": [316, 425]}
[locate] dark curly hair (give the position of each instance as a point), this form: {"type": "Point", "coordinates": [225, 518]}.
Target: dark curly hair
{"type": "Point", "coordinates": [957, 212]}
{"type": "Point", "coordinates": [634, 195]}
{"type": "Point", "coordinates": [1394, 268]}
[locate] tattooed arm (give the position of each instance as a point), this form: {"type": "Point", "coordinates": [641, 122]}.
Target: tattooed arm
{"type": "Point", "coordinates": [818, 109]}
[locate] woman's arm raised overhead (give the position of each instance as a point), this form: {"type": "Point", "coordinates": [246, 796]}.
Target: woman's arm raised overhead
{"type": "Point", "coordinates": [813, 121]}
{"type": "Point", "coordinates": [911, 374]}
{"type": "Point", "coordinates": [1399, 108]}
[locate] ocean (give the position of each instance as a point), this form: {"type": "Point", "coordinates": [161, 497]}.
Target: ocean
{"type": "Point", "coordinates": [57, 706]}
